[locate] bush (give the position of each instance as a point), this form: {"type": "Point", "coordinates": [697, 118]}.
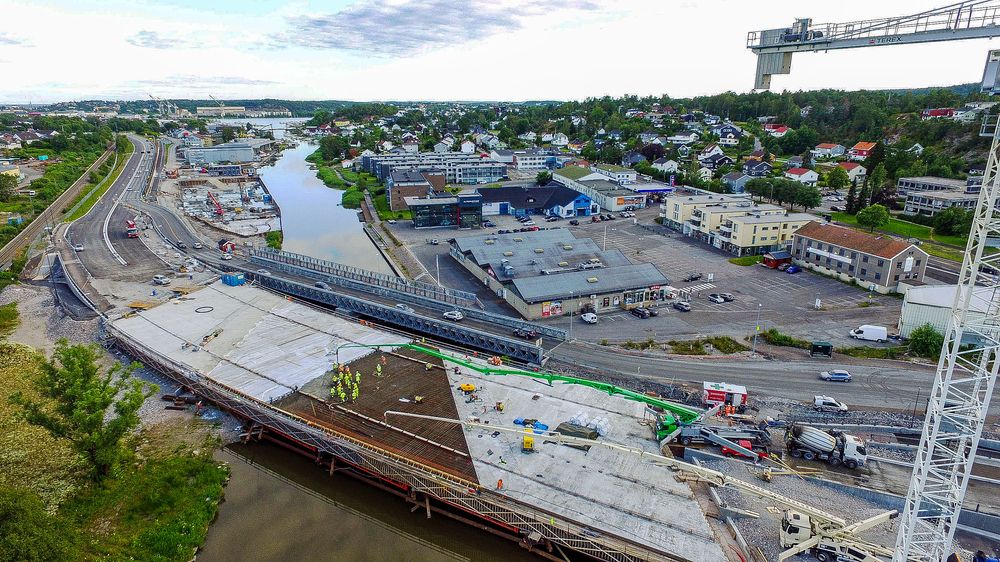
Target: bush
{"type": "Point", "coordinates": [726, 344]}
{"type": "Point", "coordinates": [352, 198]}
{"type": "Point", "coordinates": [774, 337]}
{"type": "Point", "coordinates": [926, 341]}
{"type": "Point", "coordinates": [274, 239]}
{"type": "Point", "coordinates": [693, 347]}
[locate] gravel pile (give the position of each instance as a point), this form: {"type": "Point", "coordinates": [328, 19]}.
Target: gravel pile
{"type": "Point", "coordinates": [895, 454]}
{"type": "Point", "coordinates": [42, 323]}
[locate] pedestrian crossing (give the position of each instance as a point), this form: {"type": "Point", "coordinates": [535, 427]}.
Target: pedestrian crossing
{"type": "Point", "coordinates": [697, 288]}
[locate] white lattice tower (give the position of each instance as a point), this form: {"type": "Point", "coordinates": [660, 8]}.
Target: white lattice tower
{"type": "Point", "coordinates": [966, 373]}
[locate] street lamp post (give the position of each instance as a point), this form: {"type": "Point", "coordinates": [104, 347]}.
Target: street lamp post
{"type": "Point", "coordinates": [756, 330]}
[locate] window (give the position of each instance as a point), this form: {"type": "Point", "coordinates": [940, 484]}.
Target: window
{"type": "Point", "coordinates": [878, 275]}
{"type": "Point", "coordinates": [854, 255]}
{"type": "Point", "coordinates": [850, 269]}
{"type": "Point", "coordinates": [917, 263]}
{"type": "Point", "coordinates": [827, 261]}
{"type": "Point", "coordinates": [896, 278]}
{"type": "Point", "coordinates": [881, 263]}
{"type": "Point", "coordinates": [864, 272]}
{"type": "Point", "coordinates": [841, 251]}
{"type": "Point", "coordinates": [839, 264]}
{"type": "Point", "coordinates": [864, 259]}
{"type": "Point", "coordinates": [899, 265]}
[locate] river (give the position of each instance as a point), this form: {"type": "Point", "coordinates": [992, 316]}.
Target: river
{"type": "Point", "coordinates": [312, 220]}
{"type": "Point", "coordinates": [279, 505]}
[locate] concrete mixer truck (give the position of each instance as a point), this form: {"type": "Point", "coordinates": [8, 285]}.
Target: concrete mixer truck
{"type": "Point", "coordinates": [810, 443]}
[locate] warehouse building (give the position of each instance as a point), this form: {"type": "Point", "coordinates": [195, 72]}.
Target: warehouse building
{"type": "Point", "coordinates": [464, 210]}
{"type": "Point", "coordinates": [599, 186]}
{"type": "Point", "coordinates": [234, 152]}
{"type": "Point", "coordinates": [932, 305]}
{"type": "Point", "coordinates": [551, 273]}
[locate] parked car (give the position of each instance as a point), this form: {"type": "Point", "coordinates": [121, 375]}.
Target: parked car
{"type": "Point", "coordinates": [197, 246]}
{"type": "Point", "coordinates": [489, 224]}
{"type": "Point", "coordinates": [836, 208]}
{"type": "Point", "coordinates": [589, 317]}
{"type": "Point", "coordinates": [784, 266]}
{"type": "Point", "coordinates": [793, 269]}
{"type": "Point", "coordinates": [455, 315]}
{"type": "Point", "coordinates": [227, 257]}
{"type": "Point", "coordinates": [716, 298]}
{"type": "Point", "coordinates": [574, 222]}
{"type": "Point", "coordinates": [263, 272]}
{"type": "Point", "coordinates": [682, 306]}
{"type": "Point", "coordinates": [526, 333]}
{"type": "Point", "coordinates": [77, 247]}
{"type": "Point", "coordinates": [692, 277]}
{"type": "Point", "coordinates": [182, 245]}
{"type": "Point", "coordinates": [405, 308]}
{"type": "Point", "coordinates": [835, 375]}
{"type": "Point", "coordinates": [529, 223]}
{"type": "Point", "coordinates": [640, 312]}
{"type": "Point", "coordinates": [728, 297]}
{"type": "Point", "coordinates": [653, 312]}
{"type": "Point", "coordinates": [161, 280]}
{"type": "Point", "coordinates": [391, 221]}
{"type": "Point", "coordinates": [595, 218]}
{"type": "Point", "coordinates": [321, 285]}
{"type": "Point", "coordinates": [435, 241]}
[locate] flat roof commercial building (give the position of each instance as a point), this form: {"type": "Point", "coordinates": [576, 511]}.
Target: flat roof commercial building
{"type": "Point", "coordinates": [932, 305]}
{"type": "Point", "coordinates": [235, 152]}
{"type": "Point", "coordinates": [464, 210]}
{"type": "Point", "coordinates": [606, 194]}
{"type": "Point", "coordinates": [879, 263]}
{"type": "Point", "coordinates": [551, 273]}
{"type": "Point", "coordinates": [457, 167]}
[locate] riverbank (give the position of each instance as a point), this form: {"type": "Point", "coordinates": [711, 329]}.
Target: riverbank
{"type": "Point", "coordinates": [157, 505]}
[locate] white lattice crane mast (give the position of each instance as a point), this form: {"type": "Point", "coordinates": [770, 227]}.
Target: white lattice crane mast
{"type": "Point", "coordinates": [959, 402]}
{"type": "Point", "coordinates": [971, 19]}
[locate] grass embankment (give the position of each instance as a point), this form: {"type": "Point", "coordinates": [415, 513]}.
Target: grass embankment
{"type": "Point", "coordinates": [274, 239]}
{"type": "Point", "coordinates": [945, 247]}
{"type": "Point", "coordinates": [723, 344]}
{"type": "Point", "coordinates": [385, 213]}
{"type": "Point", "coordinates": [774, 337]}
{"type": "Point", "coordinates": [9, 319]}
{"type": "Point", "coordinates": [93, 191]}
{"type": "Point", "coordinates": [747, 260]}
{"type": "Point", "coordinates": [352, 183]}
{"type": "Point", "coordinates": [157, 507]}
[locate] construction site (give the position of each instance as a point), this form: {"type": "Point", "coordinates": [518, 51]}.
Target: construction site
{"type": "Point", "coordinates": [563, 465]}
{"type": "Point", "coordinates": [237, 204]}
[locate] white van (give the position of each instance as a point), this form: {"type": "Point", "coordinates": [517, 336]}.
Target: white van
{"type": "Point", "coordinates": [868, 332]}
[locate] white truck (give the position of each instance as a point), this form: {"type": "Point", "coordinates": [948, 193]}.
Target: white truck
{"type": "Point", "coordinates": [868, 332]}
{"type": "Point", "coordinates": [810, 443]}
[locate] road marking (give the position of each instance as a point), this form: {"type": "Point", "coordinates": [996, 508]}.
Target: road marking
{"type": "Point", "coordinates": [700, 287]}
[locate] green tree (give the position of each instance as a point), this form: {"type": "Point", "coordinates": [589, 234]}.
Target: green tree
{"type": "Point", "coordinates": [94, 411]}
{"type": "Point", "coordinates": [807, 196]}
{"type": "Point", "coordinates": [882, 192]}
{"type": "Point", "coordinates": [838, 178]}
{"type": "Point", "coordinates": [228, 134]}
{"type": "Point", "coordinates": [333, 147]}
{"type": "Point", "coordinates": [543, 177]}
{"type": "Point", "coordinates": [926, 341]}
{"type": "Point", "coordinates": [28, 533]}
{"type": "Point", "coordinates": [953, 221]}
{"type": "Point", "coordinates": [8, 187]}
{"type": "Point", "coordinates": [873, 216]}
{"type": "Point", "coordinates": [852, 199]}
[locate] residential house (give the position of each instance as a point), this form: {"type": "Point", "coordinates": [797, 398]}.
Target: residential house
{"type": "Point", "coordinates": [632, 157]}
{"type": "Point", "coordinates": [559, 139]}
{"type": "Point", "coordinates": [648, 137]}
{"type": "Point", "coordinates": [803, 175]}
{"type": "Point", "coordinates": [411, 144]}
{"type": "Point", "coordinates": [916, 149]}
{"type": "Point", "coordinates": [828, 150]}
{"type": "Point", "coordinates": [775, 130]}
{"type": "Point", "coordinates": [553, 199]}
{"type": "Point", "coordinates": [9, 141]}
{"type": "Point", "coordinates": [546, 138]}
{"type": "Point", "coordinates": [938, 113]}
{"type": "Point", "coordinates": [735, 181]}
{"type": "Point", "coordinates": [855, 172]}
{"type": "Point", "coordinates": [760, 154]}
{"type": "Point", "coordinates": [709, 151]}
{"type": "Point", "coordinates": [442, 146]}
{"type": "Point", "coordinates": [705, 174]}
{"type": "Point", "coordinates": [716, 161]}
{"type": "Point", "coordinates": [877, 262]}
{"type": "Point", "coordinates": [615, 135]}
{"type": "Point", "coordinates": [794, 162]}
{"type": "Point", "coordinates": [468, 147]}
{"type": "Point", "coordinates": [530, 136]}
{"type": "Point", "coordinates": [665, 165]}
{"type": "Point", "coordinates": [686, 137]}
{"type": "Point", "coordinates": [756, 168]}
{"type": "Point", "coordinates": [384, 146]}
{"type": "Point", "coordinates": [861, 150]}
{"type": "Point", "coordinates": [729, 134]}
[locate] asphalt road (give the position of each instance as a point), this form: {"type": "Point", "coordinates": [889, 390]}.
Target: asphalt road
{"type": "Point", "coordinates": [892, 385]}
{"type": "Point", "coordinates": [88, 231]}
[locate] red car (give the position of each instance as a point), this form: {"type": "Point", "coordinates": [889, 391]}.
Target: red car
{"type": "Point", "coordinates": [746, 444]}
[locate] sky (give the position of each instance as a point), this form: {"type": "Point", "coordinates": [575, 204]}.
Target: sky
{"type": "Point", "coordinates": [508, 50]}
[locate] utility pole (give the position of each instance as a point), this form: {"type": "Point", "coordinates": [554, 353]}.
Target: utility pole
{"type": "Point", "coordinates": [570, 312]}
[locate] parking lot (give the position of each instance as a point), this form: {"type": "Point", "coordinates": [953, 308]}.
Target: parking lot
{"type": "Point", "coordinates": [785, 301]}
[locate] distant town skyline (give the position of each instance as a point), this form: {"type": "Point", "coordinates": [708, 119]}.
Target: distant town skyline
{"type": "Point", "coordinates": [439, 50]}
